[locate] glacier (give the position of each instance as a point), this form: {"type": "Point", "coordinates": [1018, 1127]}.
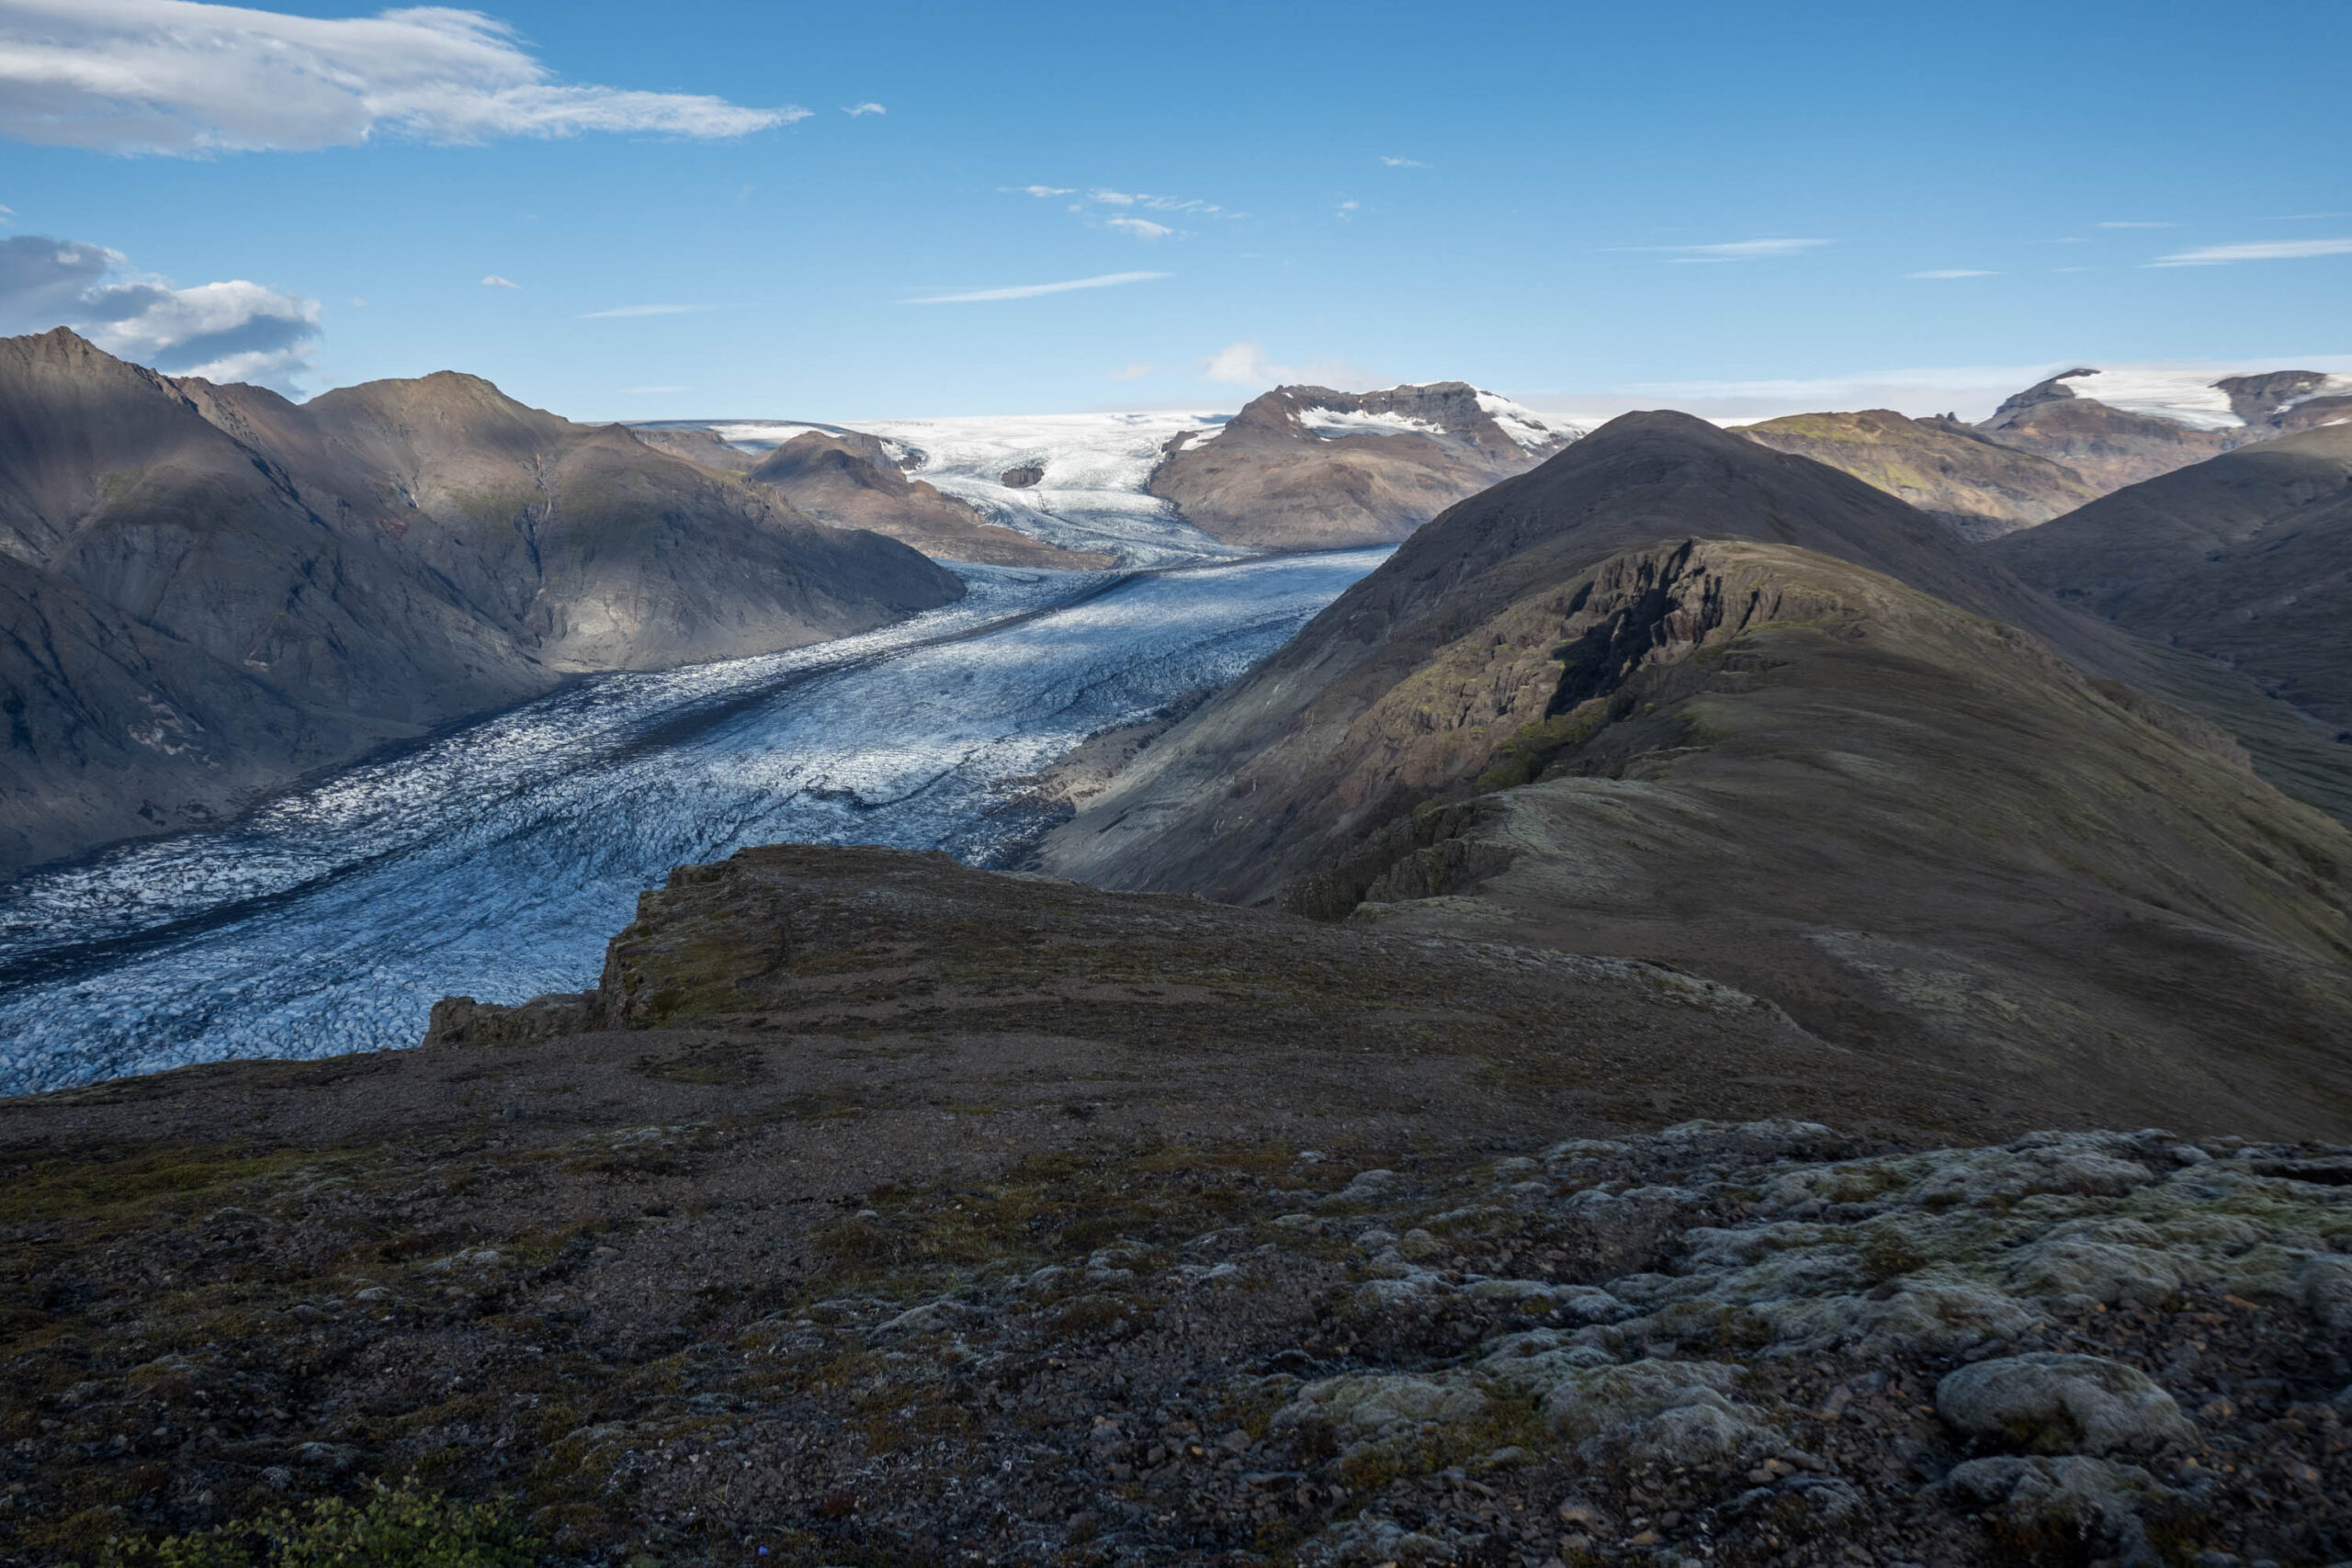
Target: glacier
{"type": "Point", "coordinates": [497, 859]}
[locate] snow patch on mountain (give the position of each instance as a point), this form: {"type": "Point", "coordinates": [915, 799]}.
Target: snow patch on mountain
{"type": "Point", "coordinates": [1330, 424]}
{"type": "Point", "coordinates": [1529, 431]}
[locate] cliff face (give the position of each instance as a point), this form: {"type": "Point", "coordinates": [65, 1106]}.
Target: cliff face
{"type": "Point", "coordinates": [1676, 697]}
{"type": "Point", "coordinates": [209, 589]}
{"type": "Point", "coordinates": [1307, 468]}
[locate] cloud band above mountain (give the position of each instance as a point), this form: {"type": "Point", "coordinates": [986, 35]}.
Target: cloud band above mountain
{"type": "Point", "coordinates": [183, 77]}
{"type": "Point", "coordinates": [223, 332]}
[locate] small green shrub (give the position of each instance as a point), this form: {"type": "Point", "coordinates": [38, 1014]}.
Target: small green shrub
{"type": "Point", "coordinates": [394, 1526]}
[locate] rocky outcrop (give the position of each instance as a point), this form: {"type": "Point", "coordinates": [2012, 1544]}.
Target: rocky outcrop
{"type": "Point", "coordinates": [849, 479]}
{"type": "Point", "coordinates": [2246, 559]}
{"type": "Point", "coordinates": [1912, 826]}
{"type": "Point", "coordinates": [1940, 465]}
{"type": "Point", "coordinates": [211, 589]}
{"type": "Point", "coordinates": [1307, 468]}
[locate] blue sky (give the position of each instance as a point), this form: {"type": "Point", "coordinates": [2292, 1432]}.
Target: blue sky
{"type": "Point", "coordinates": [1587, 207]}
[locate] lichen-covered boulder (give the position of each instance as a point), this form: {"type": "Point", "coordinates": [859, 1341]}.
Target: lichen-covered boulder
{"type": "Point", "coordinates": [2094, 1501]}
{"type": "Point", "coordinates": [1672, 1411]}
{"type": "Point", "coordinates": [1361, 1407]}
{"type": "Point", "coordinates": [2054, 1402]}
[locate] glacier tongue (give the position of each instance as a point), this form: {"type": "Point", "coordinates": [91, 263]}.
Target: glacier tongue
{"type": "Point", "coordinates": [498, 859]}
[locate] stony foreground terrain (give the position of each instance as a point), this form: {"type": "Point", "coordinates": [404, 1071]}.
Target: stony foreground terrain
{"type": "Point", "coordinates": [1737, 1343]}
{"type": "Point", "coordinates": [875, 1209]}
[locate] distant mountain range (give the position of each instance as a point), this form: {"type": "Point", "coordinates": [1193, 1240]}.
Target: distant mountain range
{"type": "Point", "coordinates": [2061, 443]}
{"type": "Point", "coordinates": [208, 590]}
{"type": "Point", "coordinates": [211, 590]}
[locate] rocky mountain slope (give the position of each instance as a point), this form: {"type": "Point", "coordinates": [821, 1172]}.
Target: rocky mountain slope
{"type": "Point", "coordinates": [2116, 429]}
{"type": "Point", "coordinates": [849, 481]}
{"type": "Point", "coordinates": [1679, 697]}
{"type": "Point", "coordinates": [1942, 466]}
{"type": "Point", "coordinates": [208, 590]}
{"type": "Point", "coordinates": [1307, 468]}
{"type": "Point", "coordinates": [2245, 559]}
{"type": "Point", "coordinates": [876, 1209]}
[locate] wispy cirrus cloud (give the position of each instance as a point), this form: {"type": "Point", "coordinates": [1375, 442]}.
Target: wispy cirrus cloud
{"type": "Point", "coordinates": [1033, 291]}
{"type": "Point", "coordinates": [1951, 272]}
{"type": "Point", "coordinates": [1403, 162]}
{"type": "Point", "coordinates": [182, 76]}
{"type": "Point", "coordinates": [234, 331]}
{"type": "Point", "coordinates": [855, 110]}
{"type": "Point", "coordinates": [494, 281]}
{"type": "Point", "coordinates": [620, 312]}
{"type": "Point", "coordinates": [1141, 227]}
{"type": "Point", "coordinates": [1103, 195]}
{"type": "Point", "coordinates": [1732, 251]}
{"type": "Point", "coordinates": [2261, 249]}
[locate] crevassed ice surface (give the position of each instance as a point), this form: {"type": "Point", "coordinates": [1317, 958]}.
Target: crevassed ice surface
{"type": "Point", "coordinates": [1092, 496]}
{"type": "Point", "coordinates": [497, 861]}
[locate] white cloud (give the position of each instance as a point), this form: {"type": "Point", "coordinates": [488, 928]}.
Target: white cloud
{"type": "Point", "coordinates": [223, 332]}
{"type": "Point", "coordinates": [2267, 250]}
{"type": "Point", "coordinates": [1952, 272]}
{"type": "Point", "coordinates": [1050, 190]}
{"type": "Point", "coordinates": [184, 77]}
{"type": "Point", "coordinates": [1246, 364]}
{"type": "Point", "coordinates": [2139, 225]}
{"type": "Point", "coordinates": [1032, 290]}
{"type": "Point", "coordinates": [1403, 162]}
{"type": "Point", "coordinates": [1242, 364]}
{"type": "Point", "coordinates": [857, 109]}
{"type": "Point", "coordinates": [621, 310]}
{"type": "Point", "coordinates": [1112, 197]}
{"type": "Point", "coordinates": [1348, 211]}
{"type": "Point", "coordinates": [1135, 371]}
{"type": "Point", "coordinates": [1141, 227]}
{"type": "Point", "coordinates": [1737, 250]}
{"type": "Point", "coordinates": [494, 281]}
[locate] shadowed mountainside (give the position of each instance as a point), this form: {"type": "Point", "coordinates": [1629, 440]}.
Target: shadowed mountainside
{"type": "Point", "coordinates": [2247, 559]}
{"type": "Point", "coordinates": [1679, 697]}
{"type": "Point", "coordinates": [1940, 465]}
{"type": "Point", "coordinates": [208, 590]}
{"type": "Point", "coordinates": [1307, 468]}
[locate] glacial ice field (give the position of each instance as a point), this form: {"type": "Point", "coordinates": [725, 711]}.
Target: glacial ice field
{"type": "Point", "coordinates": [497, 860]}
{"type": "Point", "coordinates": [1095, 468]}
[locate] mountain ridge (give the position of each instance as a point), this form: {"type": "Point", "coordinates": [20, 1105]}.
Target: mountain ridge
{"type": "Point", "coordinates": [354, 569]}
